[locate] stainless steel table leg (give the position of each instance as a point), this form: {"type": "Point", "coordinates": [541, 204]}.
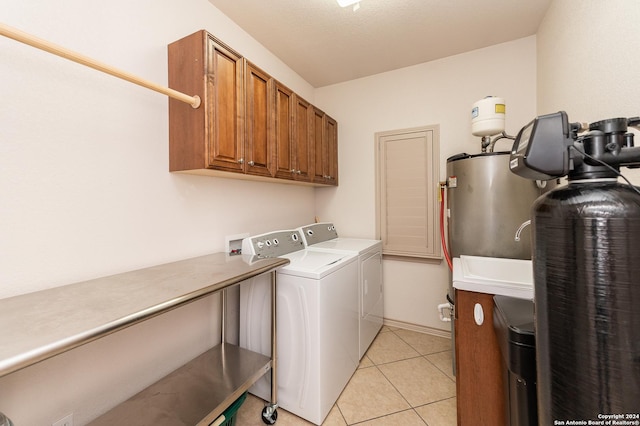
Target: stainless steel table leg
{"type": "Point", "coordinates": [269, 414]}
{"type": "Point", "coordinates": [223, 316]}
{"type": "Point", "coordinates": [274, 342]}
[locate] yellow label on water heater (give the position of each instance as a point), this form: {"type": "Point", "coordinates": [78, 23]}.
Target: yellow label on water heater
{"type": "Point", "coordinates": [500, 109]}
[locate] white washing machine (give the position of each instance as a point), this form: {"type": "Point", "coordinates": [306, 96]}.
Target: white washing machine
{"type": "Point", "coordinates": [316, 319]}
{"type": "Point", "coordinates": [324, 237]}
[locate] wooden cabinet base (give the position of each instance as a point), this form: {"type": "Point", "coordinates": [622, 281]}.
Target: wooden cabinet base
{"type": "Point", "coordinates": [479, 376]}
{"type": "Point", "coordinates": [233, 175]}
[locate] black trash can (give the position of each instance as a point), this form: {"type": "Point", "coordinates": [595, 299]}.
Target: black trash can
{"type": "Point", "coordinates": [513, 322]}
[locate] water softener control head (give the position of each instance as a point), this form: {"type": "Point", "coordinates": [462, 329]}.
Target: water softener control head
{"type": "Point", "coordinates": [550, 147]}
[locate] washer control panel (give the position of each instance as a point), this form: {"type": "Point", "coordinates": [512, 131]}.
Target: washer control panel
{"type": "Point", "coordinates": [273, 244]}
{"type": "Point", "coordinates": [318, 232]}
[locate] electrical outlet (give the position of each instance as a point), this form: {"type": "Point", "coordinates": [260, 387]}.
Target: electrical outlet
{"type": "Point", "coordinates": [65, 421]}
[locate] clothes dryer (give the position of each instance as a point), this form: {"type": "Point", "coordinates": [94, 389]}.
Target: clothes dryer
{"type": "Point", "coordinates": [316, 323]}
{"type": "Point", "coordinates": [324, 237]}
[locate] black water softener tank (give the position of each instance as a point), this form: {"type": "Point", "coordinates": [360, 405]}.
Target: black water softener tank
{"type": "Point", "coordinates": [586, 259]}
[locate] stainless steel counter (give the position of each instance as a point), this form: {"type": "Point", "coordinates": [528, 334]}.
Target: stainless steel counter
{"type": "Point", "coordinates": [42, 324]}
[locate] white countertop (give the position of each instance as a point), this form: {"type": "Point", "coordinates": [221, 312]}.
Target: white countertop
{"type": "Point", "coordinates": [491, 275]}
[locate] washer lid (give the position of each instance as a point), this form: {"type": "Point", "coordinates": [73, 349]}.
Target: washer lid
{"type": "Point", "coordinates": [349, 245]}
{"type": "Point", "coordinates": [315, 264]}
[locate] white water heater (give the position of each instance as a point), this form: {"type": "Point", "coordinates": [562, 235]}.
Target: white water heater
{"type": "Point", "coordinates": [487, 116]}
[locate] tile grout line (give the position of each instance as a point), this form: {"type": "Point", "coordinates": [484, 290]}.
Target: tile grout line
{"type": "Point", "coordinates": [377, 366]}
{"type": "Point", "coordinates": [424, 355]}
{"type": "Point", "coordinates": [438, 368]}
{"type": "Point", "coordinates": [420, 355]}
{"type": "Point", "coordinates": [386, 415]}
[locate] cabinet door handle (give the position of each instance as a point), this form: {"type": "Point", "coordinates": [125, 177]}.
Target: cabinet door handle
{"type": "Point", "coordinates": [251, 163]}
{"type": "Point", "coordinates": [241, 161]}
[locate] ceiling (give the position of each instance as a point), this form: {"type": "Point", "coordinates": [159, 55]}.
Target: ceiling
{"type": "Point", "coordinates": [327, 44]}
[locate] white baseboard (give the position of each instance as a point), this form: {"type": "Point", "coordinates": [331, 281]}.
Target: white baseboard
{"type": "Point", "coordinates": [416, 327]}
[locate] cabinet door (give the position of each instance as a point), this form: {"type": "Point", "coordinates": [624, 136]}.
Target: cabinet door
{"type": "Point", "coordinates": [325, 148]}
{"type": "Point", "coordinates": [303, 155]}
{"type": "Point", "coordinates": [479, 381]}
{"type": "Point", "coordinates": [319, 145]}
{"type": "Point", "coordinates": [331, 131]}
{"type": "Point", "coordinates": [224, 105]}
{"type": "Point", "coordinates": [258, 157]}
{"type": "Point", "coordinates": [284, 138]}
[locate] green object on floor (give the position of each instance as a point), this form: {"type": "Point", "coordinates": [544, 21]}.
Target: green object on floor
{"type": "Point", "coordinates": [229, 414]}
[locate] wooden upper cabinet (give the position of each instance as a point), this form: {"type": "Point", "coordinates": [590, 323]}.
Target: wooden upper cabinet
{"type": "Point", "coordinates": [260, 120]}
{"type": "Point", "coordinates": [319, 145]}
{"type": "Point", "coordinates": [224, 98]}
{"type": "Point", "coordinates": [325, 142]}
{"type": "Point", "coordinates": [331, 129]}
{"type": "Point", "coordinates": [303, 142]}
{"type": "Point", "coordinates": [284, 138]}
{"type": "Point", "coordinates": [247, 123]}
{"type": "Point", "coordinates": [210, 136]}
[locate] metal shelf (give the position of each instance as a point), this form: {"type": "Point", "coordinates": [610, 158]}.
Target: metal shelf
{"type": "Point", "coordinates": [186, 396]}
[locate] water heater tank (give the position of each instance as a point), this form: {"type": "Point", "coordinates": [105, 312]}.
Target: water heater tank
{"type": "Point", "coordinates": [487, 204]}
{"type": "Point", "coordinates": [487, 116]}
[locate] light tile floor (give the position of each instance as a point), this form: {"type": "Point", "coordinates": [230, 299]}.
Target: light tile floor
{"type": "Point", "coordinates": [405, 378]}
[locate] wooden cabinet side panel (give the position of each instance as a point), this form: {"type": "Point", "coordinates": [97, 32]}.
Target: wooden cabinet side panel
{"type": "Point", "coordinates": [332, 149]}
{"type": "Point", "coordinates": [259, 106]}
{"type": "Point", "coordinates": [283, 129]}
{"type": "Point", "coordinates": [225, 101]}
{"type": "Point", "coordinates": [187, 126]}
{"type": "Point", "coordinates": [479, 378]}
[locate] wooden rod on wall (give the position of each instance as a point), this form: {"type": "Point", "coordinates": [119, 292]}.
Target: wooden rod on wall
{"type": "Point", "coordinates": [38, 43]}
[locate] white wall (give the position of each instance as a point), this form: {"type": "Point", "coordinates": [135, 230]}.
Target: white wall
{"type": "Point", "coordinates": [588, 61]}
{"type": "Point", "coordinates": [439, 92]}
{"type": "Point", "coordinates": [85, 189]}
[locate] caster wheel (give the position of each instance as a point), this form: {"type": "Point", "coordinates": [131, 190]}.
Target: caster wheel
{"type": "Point", "coordinates": [269, 415]}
